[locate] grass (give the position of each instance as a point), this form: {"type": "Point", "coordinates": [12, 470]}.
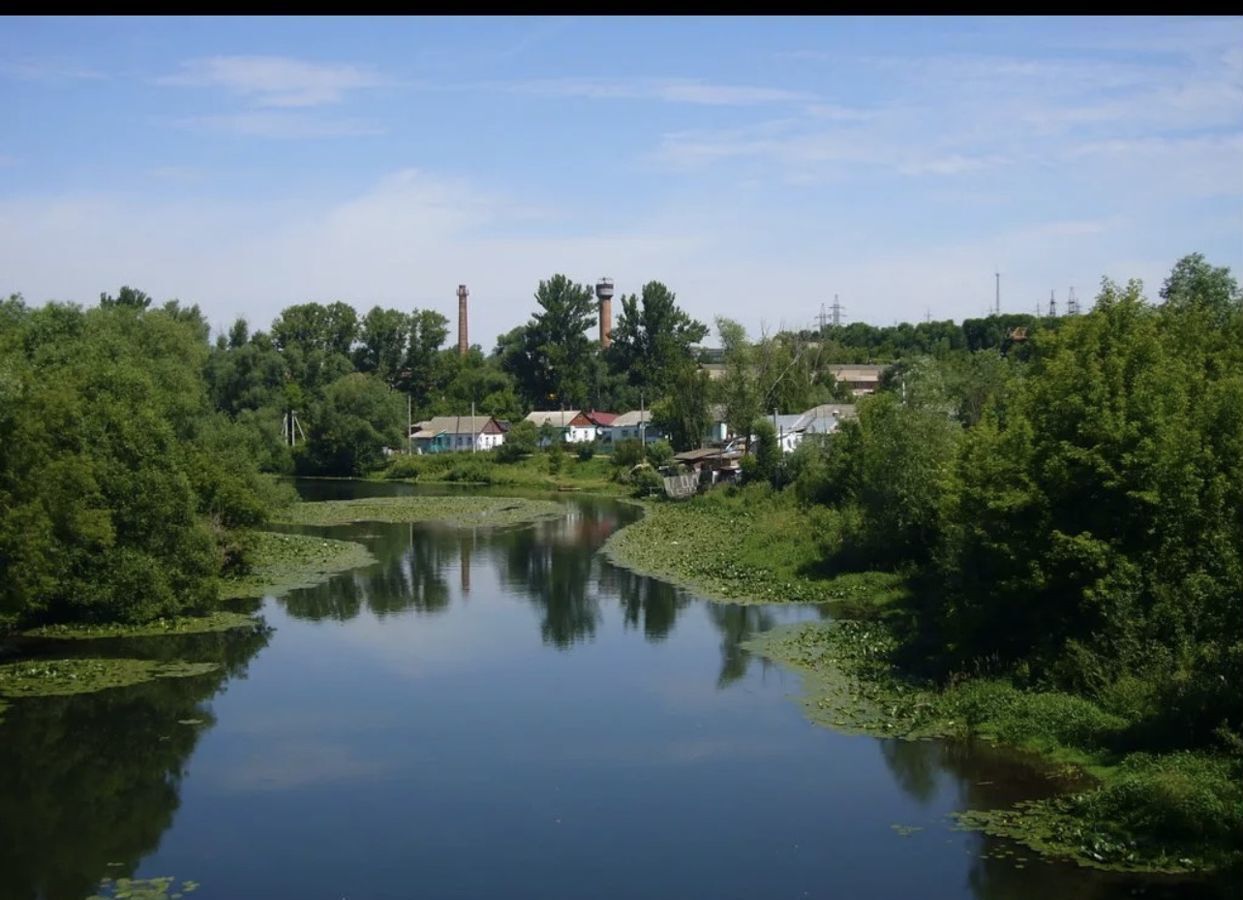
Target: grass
{"type": "Point", "coordinates": [284, 562]}
{"type": "Point", "coordinates": [469, 511]}
{"type": "Point", "coordinates": [59, 677]}
{"type": "Point", "coordinates": [749, 545]}
{"type": "Point", "coordinates": [596, 475]}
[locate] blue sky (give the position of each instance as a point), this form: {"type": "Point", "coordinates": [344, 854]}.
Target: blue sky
{"type": "Point", "coordinates": [757, 167]}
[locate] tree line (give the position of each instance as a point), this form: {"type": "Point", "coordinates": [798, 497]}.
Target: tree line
{"type": "Point", "coordinates": [1073, 518]}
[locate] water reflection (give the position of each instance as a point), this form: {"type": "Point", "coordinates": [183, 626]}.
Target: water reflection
{"type": "Point", "coordinates": [89, 783]}
{"type": "Point", "coordinates": [555, 565]}
{"type": "Point", "coordinates": [646, 603]}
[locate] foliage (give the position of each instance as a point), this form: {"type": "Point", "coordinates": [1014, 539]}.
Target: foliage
{"type": "Point", "coordinates": [652, 339]}
{"type": "Point", "coordinates": [647, 482]}
{"type": "Point", "coordinates": [119, 487]}
{"type": "Point", "coordinates": [683, 412]}
{"type": "Point", "coordinates": [659, 453]}
{"type": "Point", "coordinates": [549, 356]}
{"type": "Point", "coordinates": [521, 440]}
{"type": "Point", "coordinates": [585, 450]}
{"type": "Point", "coordinates": [627, 453]}
{"type": "Point", "coordinates": [358, 417]}
{"type": "Point", "coordinates": [767, 452]}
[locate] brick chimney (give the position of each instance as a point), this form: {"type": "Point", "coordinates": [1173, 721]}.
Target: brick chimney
{"type": "Point", "coordinates": [463, 345]}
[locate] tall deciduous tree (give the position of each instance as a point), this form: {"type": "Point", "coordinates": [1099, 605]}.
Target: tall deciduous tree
{"type": "Point", "coordinates": [552, 366]}
{"type": "Point", "coordinates": [653, 338]}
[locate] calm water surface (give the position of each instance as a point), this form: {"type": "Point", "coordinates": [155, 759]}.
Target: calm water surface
{"type": "Point", "coordinates": [497, 714]}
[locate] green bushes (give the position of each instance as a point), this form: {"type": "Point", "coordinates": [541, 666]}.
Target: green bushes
{"type": "Point", "coordinates": [1041, 719]}
{"type": "Point", "coordinates": [647, 482]}
{"type": "Point", "coordinates": [406, 467]}
{"type": "Point", "coordinates": [627, 453]}
{"type": "Point", "coordinates": [520, 441]}
{"type": "Point", "coordinates": [1185, 798]}
{"type": "Point", "coordinates": [585, 450]}
{"type": "Point", "coordinates": [659, 453]}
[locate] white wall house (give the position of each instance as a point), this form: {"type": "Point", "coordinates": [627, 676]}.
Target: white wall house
{"type": "Point", "coordinates": [559, 419]}
{"type": "Point", "coordinates": [446, 434]}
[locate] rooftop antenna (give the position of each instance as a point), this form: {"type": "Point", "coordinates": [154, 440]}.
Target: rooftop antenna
{"type": "Point", "coordinates": [1052, 305]}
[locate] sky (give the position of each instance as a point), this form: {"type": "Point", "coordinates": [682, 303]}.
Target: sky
{"type": "Point", "coordinates": [757, 167]}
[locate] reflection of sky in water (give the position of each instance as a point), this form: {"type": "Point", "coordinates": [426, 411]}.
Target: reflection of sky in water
{"type": "Point", "coordinates": [504, 713]}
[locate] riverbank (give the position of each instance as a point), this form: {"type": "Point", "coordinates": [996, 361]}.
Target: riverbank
{"type": "Point", "coordinates": [595, 475]}
{"type": "Point", "coordinates": [469, 511]}
{"type": "Point", "coordinates": [1127, 809]}
{"type": "Point", "coordinates": [746, 546]}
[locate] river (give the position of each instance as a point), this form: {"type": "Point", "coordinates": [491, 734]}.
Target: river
{"type": "Point", "coordinates": [498, 714]}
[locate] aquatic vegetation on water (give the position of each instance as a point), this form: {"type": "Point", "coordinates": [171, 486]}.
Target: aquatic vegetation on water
{"type": "Point", "coordinates": [735, 549]}
{"type": "Point", "coordinates": [42, 678]}
{"type": "Point", "coordinates": [284, 562]}
{"type": "Point", "coordinates": [1174, 812]}
{"type": "Point", "coordinates": [216, 621]}
{"type": "Point", "coordinates": [143, 889]}
{"type": "Point", "coordinates": [468, 511]}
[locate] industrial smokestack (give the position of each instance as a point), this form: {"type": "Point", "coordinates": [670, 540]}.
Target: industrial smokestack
{"type": "Point", "coordinates": [463, 345]}
{"type": "Point", "coordinates": [604, 293]}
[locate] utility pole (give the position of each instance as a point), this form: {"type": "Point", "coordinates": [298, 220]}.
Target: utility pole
{"type": "Point", "coordinates": [822, 318]}
{"type": "Point", "coordinates": [409, 424]}
{"type": "Point", "coordinates": [474, 438]}
{"type": "Point", "coordinates": [997, 295]}
{"type": "Point", "coordinates": [642, 421]}
{"type": "Point", "coordinates": [1052, 305]}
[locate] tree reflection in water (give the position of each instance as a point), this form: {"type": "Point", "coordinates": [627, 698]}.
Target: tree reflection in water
{"type": "Point", "coordinates": [101, 773]}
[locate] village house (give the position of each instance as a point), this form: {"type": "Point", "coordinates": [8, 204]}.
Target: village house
{"type": "Point", "coordinates": [557, 419]}
{"type": "Point", "coordinates": [589, 426]}
{"type": "Point", "coordinates": [819, 420]}
{"type": "Point", "coordinates": [861, 379]}
{"type": "Point", "coordinates": [445, 434]}
{"type": "Point", "coordinates": [633, 425]}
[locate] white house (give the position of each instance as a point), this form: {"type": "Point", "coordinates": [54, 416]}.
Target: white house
{"type": "Point", "coordinates": [559, 419]}
{"type": "Point", "coordinates": [444, 434]}
{"type": "Point", "coordinates": [819, 420]}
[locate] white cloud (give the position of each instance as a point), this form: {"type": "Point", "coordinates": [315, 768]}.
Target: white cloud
{"type": "Point", "coordinates": [276, 81]}
{"type": "Point", "coordinates": [689, 91]}
{"type": "Point", "coordinates": [414, 236]}
{"type": "Point", "coordinates": [281, 125]}
{"type": "Point", "coordinates": [49, 70]}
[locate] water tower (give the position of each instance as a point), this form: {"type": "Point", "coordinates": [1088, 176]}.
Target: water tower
{"type": "Point", "coordinates": [604, 293]}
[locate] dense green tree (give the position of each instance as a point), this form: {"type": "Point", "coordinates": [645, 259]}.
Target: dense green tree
{"type": "Point", "coordinates": [738, 390]}
{"type": "Point", "coordinates": [683, 412]}
{"type": "Point", "coordinates": [1096, 530]}
{"type": "Point", "coordinates": [358, 417]}
{"type": "Point", "coordinates": [119, 487]}
{"type": "Point", "coordinates": [653, 338]}
{"type": "Point", "coordinates": [551, 365]}
{"type": "Point", "coordinates": [382, 338]}
{"type": "Point", "coordinates": [766, 450]}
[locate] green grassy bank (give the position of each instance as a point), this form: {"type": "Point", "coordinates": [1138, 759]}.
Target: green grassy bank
{"type": "Point", "coordinates": [1134, 807]}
